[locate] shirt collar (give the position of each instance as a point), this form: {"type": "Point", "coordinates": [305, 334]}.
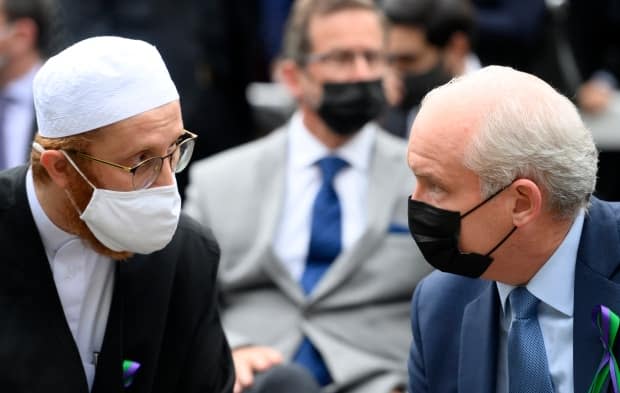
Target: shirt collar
{"type": "Point", "coordinates": [554, 283]}
{"type": "Point", "coordinates": [20, 89]}
{"type": "Point", "coordinates": [305, 149]}
{"type": "Point", "coordinates": [52, 237]}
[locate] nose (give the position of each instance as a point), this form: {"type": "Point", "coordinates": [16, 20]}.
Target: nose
{"type": "Point", "coordinates": [166, 175]}
{"type": "Point", "coordinates": [361, 69]}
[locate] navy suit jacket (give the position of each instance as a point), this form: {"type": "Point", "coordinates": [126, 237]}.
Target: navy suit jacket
{"type": "Point", "coordinates": [455, 320]}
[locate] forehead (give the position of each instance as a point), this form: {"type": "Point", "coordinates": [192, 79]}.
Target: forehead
{"type": "Point", "coordinates": [157, 127]}
{"type": "Point", "coordinates": [345, 29]}
{"type": "Point", "coordinates": [406, 38]}
{"type": "Point", "coordinates": [440, 133]}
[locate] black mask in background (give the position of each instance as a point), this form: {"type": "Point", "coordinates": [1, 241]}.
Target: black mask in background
{"type": "Point", "coordinates": [436, 232]}
{"type": "Point", "coordinates": [417, 85]}
{"type": "Point", "coordinates": [347, 106]}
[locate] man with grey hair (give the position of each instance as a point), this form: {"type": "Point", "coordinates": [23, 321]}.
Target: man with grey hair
{"type": "Point", "coordinates": [104, 285]}
{"type": "Point", "coordinates": [505, 170]}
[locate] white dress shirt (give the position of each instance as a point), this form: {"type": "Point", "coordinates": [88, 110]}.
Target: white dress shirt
{"type": "Point", "coordinates": [554, 286]}
{"type": "Point", "coordinates": [302, 184]}
{"type": "Point", "coordinates": [84, 281]}
{"type": "Point", "coordinates": [19, 119]}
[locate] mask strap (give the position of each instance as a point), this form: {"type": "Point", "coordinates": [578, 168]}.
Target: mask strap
{"type": "Point", "coordinates": [485, 201]}
{"type": "Point", "coordinates": [78, 170]}
{"type": "Point", "coordinates": [514, 228]}
{"type": "Point", "coordinates": [75, 206]}
{"type": "Point", "coordinates": [36, 146]}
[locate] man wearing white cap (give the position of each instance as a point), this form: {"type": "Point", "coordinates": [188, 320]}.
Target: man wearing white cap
{"type": "Point", "coordinates": [104, 285]}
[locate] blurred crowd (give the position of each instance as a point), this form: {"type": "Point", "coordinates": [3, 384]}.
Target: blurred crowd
{"type": "Point", "coordinates": [222, 54]}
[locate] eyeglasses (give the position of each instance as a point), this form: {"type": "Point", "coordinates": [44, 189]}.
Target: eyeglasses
{"type": "Point", "coordinates": [346, 58]}
{"type": "Point", "coordinates": [146, 172]}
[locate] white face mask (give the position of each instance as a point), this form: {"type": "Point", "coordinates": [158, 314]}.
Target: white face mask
{"type": "Point", "coordinates": [141, 221]}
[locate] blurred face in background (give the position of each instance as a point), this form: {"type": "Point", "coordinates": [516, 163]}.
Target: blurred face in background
{"type": "Point", "coordinates": [338, 83]}
{"type": "Point", "coordinates": [415, 66]}
{"type": "Point", "coordinates": [346, 46]}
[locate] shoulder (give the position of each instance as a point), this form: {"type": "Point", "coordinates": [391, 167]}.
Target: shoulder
{"type": "Point", "coordinates": [11, 181]}
{"type": "Point", "coordinates": [191, 234]}
{"type": "Point", "coordinates": [601, 211]}
{"type": "Point", "coordinates": [599, 246]}
{"type": "Point", "coordinates": [242, 157]}
{"type": "Point", "coordinates": [391, 144]}
{"type": "Point", "coordinates": [440, 292]}
{"type": "Point", "coordinates": [194, 250]}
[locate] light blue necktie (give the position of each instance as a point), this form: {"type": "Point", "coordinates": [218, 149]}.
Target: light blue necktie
{"type": "Point", "coordinates": [527, 360]}
{"type": "Point", "coordinates": [325, 245]}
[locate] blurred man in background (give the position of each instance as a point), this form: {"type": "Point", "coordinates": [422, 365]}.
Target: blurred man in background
{"type": "Point", "coordinates": [316, 268]}
{"type": "Point", "coordinates": [429, 42]}
{"type": "Point", "coordinates": [25, 35]}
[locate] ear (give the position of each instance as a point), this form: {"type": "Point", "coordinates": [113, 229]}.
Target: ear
{"type": "Point", "coordinates": [291, 75]}
{"type": "Point", "coordinates": [57, 167]}
{"type": "Point", "coordinates": [528, 201]}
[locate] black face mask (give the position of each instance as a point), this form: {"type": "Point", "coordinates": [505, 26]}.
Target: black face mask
{"type": "Point", "coordinates": [417, 85]}
{"type": "Point", "coordinates": [347, 106]}
{"type": "Point", "coordinates": [436, 232]}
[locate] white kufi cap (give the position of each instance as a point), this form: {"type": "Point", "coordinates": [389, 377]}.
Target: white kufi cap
{"type": "Point", "coordinates": [97, 82]}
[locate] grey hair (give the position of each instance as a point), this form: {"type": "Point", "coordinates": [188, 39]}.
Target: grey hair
{"type": "Point", "coordinates": [534, 133]}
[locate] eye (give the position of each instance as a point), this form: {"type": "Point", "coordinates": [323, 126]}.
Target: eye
{"type": "Point", "coordinates": [138, 158]}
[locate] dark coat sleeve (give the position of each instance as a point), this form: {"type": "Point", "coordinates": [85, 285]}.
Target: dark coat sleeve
{"type": "Point", "coordinates": [172, 324]}
{"type": "Point", "coordinates": [209, 366]}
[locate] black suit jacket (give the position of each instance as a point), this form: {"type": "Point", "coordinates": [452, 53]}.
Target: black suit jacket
{"type": "Point", "coordinates": [163, 314]}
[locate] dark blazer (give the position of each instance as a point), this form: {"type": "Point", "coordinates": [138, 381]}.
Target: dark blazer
{"type": "Point", "coordinates": [455, 319]}
{"type": "Point", "coordinates": [163, 314]}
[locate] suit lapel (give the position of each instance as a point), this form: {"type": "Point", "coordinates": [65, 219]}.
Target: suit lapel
{"type": "Point", "coordinates": [108, 375]}
{"type": "Point", "coordinates": [597, 260]}
{"type": "Point", "coordinates": [271, 200]}
{"type": "Point", "coordinates": [384, 190]}
{"type": "Point", "coordinates": [44, 356]}
{"type": "Point", "coordinates": [477, 370]}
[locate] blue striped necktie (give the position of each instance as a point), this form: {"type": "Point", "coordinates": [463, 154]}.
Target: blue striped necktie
{"type": "Point", "coordinates": [325, 246]}
{"type": "Point", "coordinates": [527, 360]}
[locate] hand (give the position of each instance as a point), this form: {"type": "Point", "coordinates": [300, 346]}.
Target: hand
{"type": "Point", "coordinates": [593, 96]}
{"type": "Point", "coordinates": [251, 359]}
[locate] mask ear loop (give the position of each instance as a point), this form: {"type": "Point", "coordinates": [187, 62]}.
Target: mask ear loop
{"type": "Point", "coordinates": [73, 164]}
{"type": "Point", "coordinates": [36, 146]}
{"type": "Point", "coordinates": [514, 228]}
{"type": "Point", "coordinates": [485, 201]}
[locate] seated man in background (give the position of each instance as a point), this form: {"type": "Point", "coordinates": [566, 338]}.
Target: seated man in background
{"type": "Point", "coordinates": [104, 285]}
{"type": "Point", "coordinates": [429, 42]}
{"type": "Point", "coordinates": [25, 37]}
{"type": "Point", "coordinates": [317, 268]}
{"type": "Point", "coordinates": [505, 170]}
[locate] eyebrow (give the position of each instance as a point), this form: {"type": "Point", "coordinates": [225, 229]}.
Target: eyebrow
{"type": "Point", "coordinates": [429, 178]}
